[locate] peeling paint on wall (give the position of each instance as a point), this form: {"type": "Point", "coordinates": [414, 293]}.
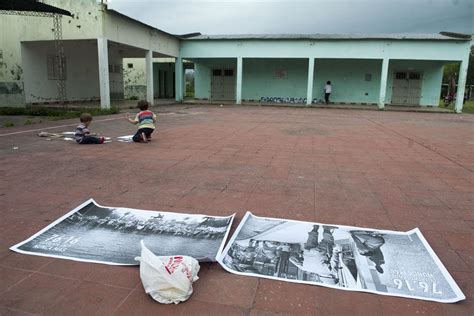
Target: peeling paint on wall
{"type": "Point", "coordinates": [11, 88]}
{"type": "Point", "coordinates": [134, 78]}
{"type": "Point", "coordinates": [16, 72]}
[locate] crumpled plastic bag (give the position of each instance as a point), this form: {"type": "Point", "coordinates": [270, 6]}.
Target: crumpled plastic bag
{"type": "Point", "coordinates": [168, 279]}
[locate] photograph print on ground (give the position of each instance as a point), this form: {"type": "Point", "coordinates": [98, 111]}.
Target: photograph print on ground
{"type": "Point", "coordinates": [112, 235]}
{"type": "Point", "coordinates": [350, 258]}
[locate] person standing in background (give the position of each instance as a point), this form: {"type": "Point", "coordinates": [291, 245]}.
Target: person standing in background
{"type": "Point", "coordinates": [327, 91]}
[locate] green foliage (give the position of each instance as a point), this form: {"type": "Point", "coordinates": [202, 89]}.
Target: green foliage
{"type": "Point", "coordinates": [467, 108]}
{"type": "Point", "coordinates": [28, 122]}
{"type": "Point", "coordinates": [453, 68]}
{"type": "Point", "coordinates": [449, 70]}
{"type": "Point", "coordinates": [470, 69]}
{"type": "Point", "coordinates": [8, 124]}
{"type": "Point", "coordinates": [57, 113]}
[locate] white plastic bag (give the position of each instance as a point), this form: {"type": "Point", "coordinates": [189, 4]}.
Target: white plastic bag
{"type": "Point", "coordinates": [168, 279]}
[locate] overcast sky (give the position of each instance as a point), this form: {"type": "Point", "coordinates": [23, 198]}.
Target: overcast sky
{"type": "Point", "coordinates": [301, 16]}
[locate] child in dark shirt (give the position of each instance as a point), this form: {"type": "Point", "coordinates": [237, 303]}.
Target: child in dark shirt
{"type": "Point", "coordinates": [82, 134]}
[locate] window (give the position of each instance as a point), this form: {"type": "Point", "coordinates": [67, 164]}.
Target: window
{"type": "Point", "coordinates": [280, 73]}
{"type": "Point", "coordinates": [129, 66]}
{"type": "Point", "coordinates": [216, 72]}
{"type": "Point", "coordinates": [415, 76]}
{"type": "Point", "coordinates": [115, 69]}
{"type": "Point", "coordinates": [228, 72]}
{"type": "Point", "coordinates": [401, 75]}
{"type": "Point", "coordinates": [54, 71]}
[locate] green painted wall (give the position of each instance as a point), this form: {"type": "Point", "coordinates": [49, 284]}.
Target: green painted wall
{"type": "Point", "coordinates": [259, 79]}
{"type": "Point", "coordinates": [348, 79]}
{"type": "Point", "coordinates": [202, 74]}
{"type": "Point", "coordinates": [353, 80]}
{"type": "Point", "coordinates": [344, 62]}
{"type": "Point", "coordinates": [432, 78]}
{"type": "Point", "coordinates": [158, 84]}
{"type": "Point", "coordinates": [447, 50]}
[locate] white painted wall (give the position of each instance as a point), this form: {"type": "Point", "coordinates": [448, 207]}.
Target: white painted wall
{"type": "Point", "coordinates": [125, 31]}
{"type": "Point", "coordinates": [82, 78]}
{"type": "Point", "coordinates": [82, 75]}
{"type": "Point", "coordinates": [134, 78]}
{"type": "Point", "coordinates": [86, 23]}
{"type": "Point", "coordinates": [89, 21]}
{"type": "Point", "coordinates": [116, 76]}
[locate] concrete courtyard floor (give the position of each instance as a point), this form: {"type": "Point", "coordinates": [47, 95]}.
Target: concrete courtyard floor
{"type": "Point", "coordinates": [386, 170]}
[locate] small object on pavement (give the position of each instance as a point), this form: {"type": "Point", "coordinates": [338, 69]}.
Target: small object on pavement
{"type": "Point", "coordinates": [168, 279]}
{"type": "Point", "coordinates": [125, 139]}
{"type": "Point", "coordinates": [15, 148]}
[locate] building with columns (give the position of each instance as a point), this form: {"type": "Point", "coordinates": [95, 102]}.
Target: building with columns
{"type": "Point", "coordinates": [363, 69]}
{"type": "Point", "coordinates": [95, 41]}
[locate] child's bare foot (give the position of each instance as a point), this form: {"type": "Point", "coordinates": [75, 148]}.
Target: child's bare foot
{"type": "Point", "coordinates": [144, 138]}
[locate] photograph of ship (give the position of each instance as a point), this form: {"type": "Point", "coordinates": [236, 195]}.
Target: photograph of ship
{"type": "Point", "coordinates": [112, 235]}
{"type": "Point", "coordinates": [350, 258]}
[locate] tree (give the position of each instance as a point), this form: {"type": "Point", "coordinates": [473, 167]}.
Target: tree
{"type": "Point", "coordinates": [453, 68]}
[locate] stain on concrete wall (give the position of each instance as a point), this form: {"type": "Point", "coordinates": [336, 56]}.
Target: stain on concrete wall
{"type": "Point", "coordinates": [134, 80]}
{"type": "Point", "coordinates": [16, 71]}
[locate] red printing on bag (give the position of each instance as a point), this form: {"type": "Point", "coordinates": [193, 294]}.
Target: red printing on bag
{"type": "Point", "coordinates": [174, 263]}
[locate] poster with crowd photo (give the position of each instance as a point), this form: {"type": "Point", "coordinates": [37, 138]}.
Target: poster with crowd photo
{"type": "Point", "coordinates": [112, 235]}
{"type": "Point", "coordinates": [349, 258]}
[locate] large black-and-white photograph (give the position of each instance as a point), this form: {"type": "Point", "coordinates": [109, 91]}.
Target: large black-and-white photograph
{"type": "Point", "coordinates": [112, 235]}
{"type": "Point", "coordinates": [350, 258]}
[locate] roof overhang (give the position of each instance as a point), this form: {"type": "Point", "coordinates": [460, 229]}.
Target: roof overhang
{"type": "Point", "coordinates": [31, 6]}
{"type": "Point", "coordinates": [442, 36]}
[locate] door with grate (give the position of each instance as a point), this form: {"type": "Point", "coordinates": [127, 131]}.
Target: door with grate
{"type": "Point", "coordinates": [406, 88]}
{"type": "Point", "coordinates": [222, 84]}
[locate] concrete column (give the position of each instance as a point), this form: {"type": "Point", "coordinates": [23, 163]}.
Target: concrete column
{"type": "Point", "coordinates": [238, 90]}
{"type": "Point", "coordinates": [461, 85]}
{"type": "Point", "coordinates": [179, 79]}
{"type": "Point", "coordinates": [309, 93]}
{"type": "Point", "coordinates": [184, 83]}
{"type": "Point", "coordinates": [149, 77]}
{"type": "Point", "coordinates": [104, 82]}
{"type": "Point", "coordinates": [383, 84]}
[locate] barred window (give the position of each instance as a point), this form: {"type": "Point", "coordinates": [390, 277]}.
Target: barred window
{"type": "Point", "coordinates": [401, 75]}
{"type": "Point", "coordinates": [415, 76]}
{"type": "Point", "coordinates": [53, 67]}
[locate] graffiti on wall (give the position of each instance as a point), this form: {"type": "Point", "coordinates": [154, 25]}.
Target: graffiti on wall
{"type": "Point", "coordinates": [288, 100]}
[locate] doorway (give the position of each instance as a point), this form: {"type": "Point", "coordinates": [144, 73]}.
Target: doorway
{"type": "Point", "coordinates": [407, 88]}
{"type": "Point", "coordinates": [222, 84]}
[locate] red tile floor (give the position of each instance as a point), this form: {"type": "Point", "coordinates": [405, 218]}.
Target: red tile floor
{"type": "Point", "coordinates": [387, 170]}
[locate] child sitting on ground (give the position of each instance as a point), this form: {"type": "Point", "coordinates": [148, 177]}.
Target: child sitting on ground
{"type": "Point", "coordinates": [146, 122]}
{"type": "Point", "coordinates": [82, 134]}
